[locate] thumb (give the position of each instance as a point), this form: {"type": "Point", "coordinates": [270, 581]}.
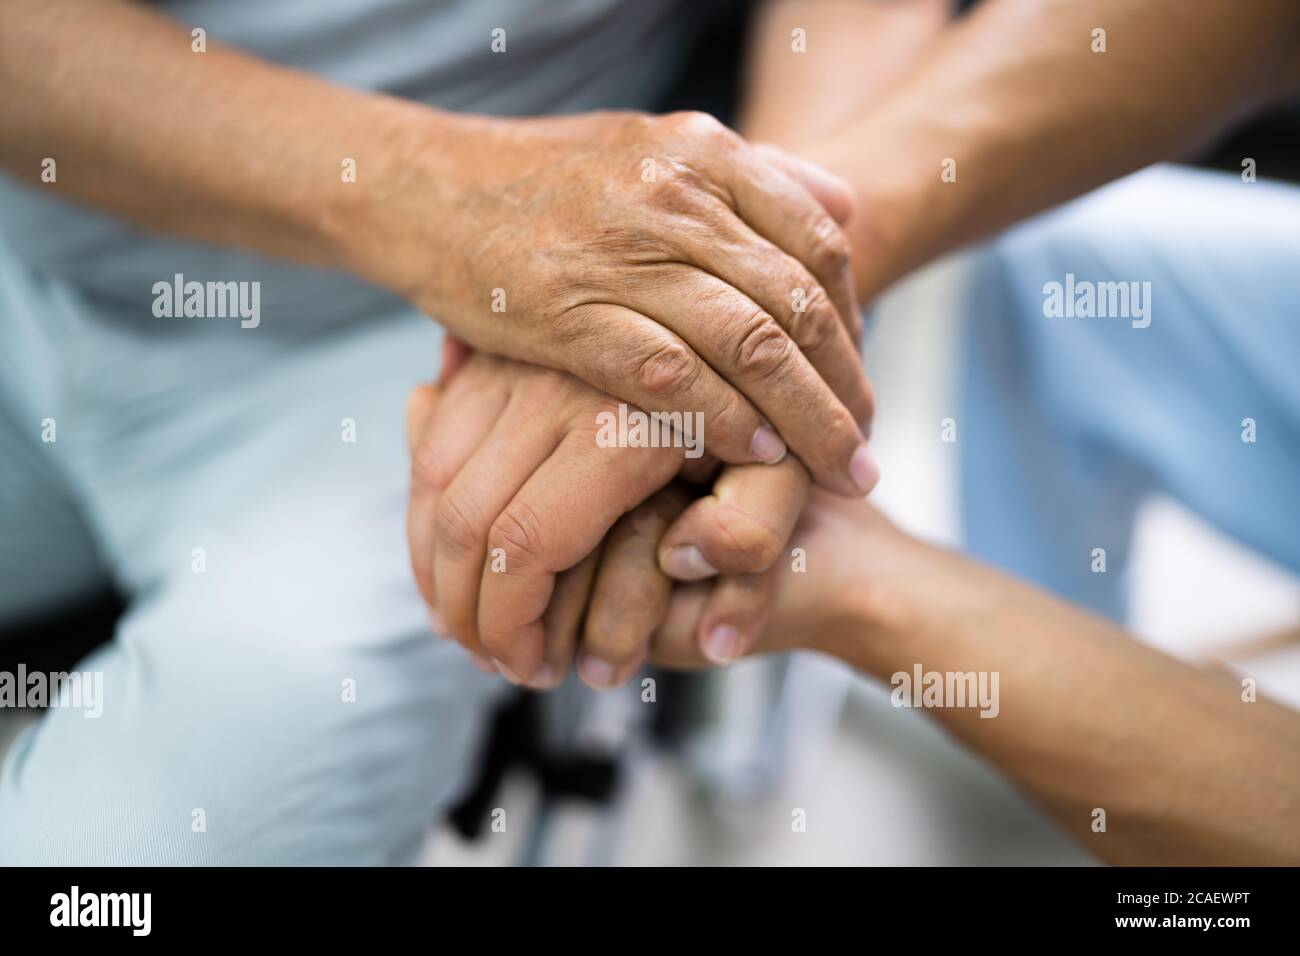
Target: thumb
{"type": "Point", "coordinates": [834, 193]}
{"type": "Point", "coordinates": [420, 406]}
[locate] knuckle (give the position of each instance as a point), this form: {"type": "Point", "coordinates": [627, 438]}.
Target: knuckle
{"type": "Point", "coordinates": [617, 644]}
{"type": "Point", "coordinates": [588, 421]}
{"type": "Point", "coordinates": [679, 191]}
{"type": "Point", "coordinates": [427, 471]}
{"type": "Point", "coordinates": [830, 248]}
{"type": "Point", "coordinates": [634, 125]}
{"type": "Point", "coordinates": [668, 369]}
{"type": "Point", "coordinates": [616, 633]}
{"type": "Point", "coordinates": [815, 326]}
{"type": "Point", "coordinates": [752, 545]}
{"type": "Point", "coordinates": [517, 531]}
{"type": "Point", "coordinates": [696, 125]}
{"type": "Point", "coordinates": [761, 346]}
{"type": "Point", "coordinates": [646, 522]}
{"type": "Point", "coordinates": [455, 527]}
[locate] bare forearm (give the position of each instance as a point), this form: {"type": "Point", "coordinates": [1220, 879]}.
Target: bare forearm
{"type": "Point", "coordinates": [1088, 718]}
{"type": "Point", "coordinates": [814, 64]}
{"type": "Point", "coordinates": [1031, 116]}
{"type": "Point", "coordinates": [212, 145]}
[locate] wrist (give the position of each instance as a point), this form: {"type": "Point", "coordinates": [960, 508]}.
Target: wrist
{"type": "Point", "coordinates": [907, 604]}
{"type": "Point", "coordinates": [393, 225]}
{"type": "Point", "coordinates": [894, 173]}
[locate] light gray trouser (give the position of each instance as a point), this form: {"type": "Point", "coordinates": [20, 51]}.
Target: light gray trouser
{"type": "Point", "coordinates": [273, 693]}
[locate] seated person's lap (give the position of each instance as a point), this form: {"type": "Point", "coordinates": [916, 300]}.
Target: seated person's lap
{"type": "Point", "coordinates": [273, 693]}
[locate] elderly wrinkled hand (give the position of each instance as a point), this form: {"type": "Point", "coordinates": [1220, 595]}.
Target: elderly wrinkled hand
{"type": "Point", "coordinates": [661, 259]}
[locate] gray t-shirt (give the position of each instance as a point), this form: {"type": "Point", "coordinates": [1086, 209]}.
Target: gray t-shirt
{"type": "Point", "coordinates": [561, 56]}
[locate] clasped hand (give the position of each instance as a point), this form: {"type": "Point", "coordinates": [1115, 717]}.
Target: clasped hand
{"type": "Point", "coordinates": [533, 541]}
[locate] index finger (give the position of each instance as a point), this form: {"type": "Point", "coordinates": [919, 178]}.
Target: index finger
{"type": "Point", "coordinates": [781, 210]}
{"type": "Point", "coordinates": [834, 195]}
{"type": "Point", "coordinates": [554, 521]}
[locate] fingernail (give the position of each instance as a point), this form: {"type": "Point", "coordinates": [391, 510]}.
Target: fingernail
{"type": "Point", "coordinates": [436, 621]}
{"type": "Point", "coordinates": [863, 469]}
{"type": "Point", "coordinates": [595, 672]}
{"type": "Point", "coordinates": [482, 663]}
{"type": "Point", "coordinates": [547, 676]}
{"type": "Point", "coordinates": [506, 672]}
{"type": "Point", "coordinates": [767, 445]}
{"type": "Point", "coordinates": [686, 563]}
{"type": "Point", "coordinates": [721, 643]}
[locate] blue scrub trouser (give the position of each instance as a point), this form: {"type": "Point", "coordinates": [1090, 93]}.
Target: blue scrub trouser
{"type": "Point", "coordinates": [1067, 423]}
